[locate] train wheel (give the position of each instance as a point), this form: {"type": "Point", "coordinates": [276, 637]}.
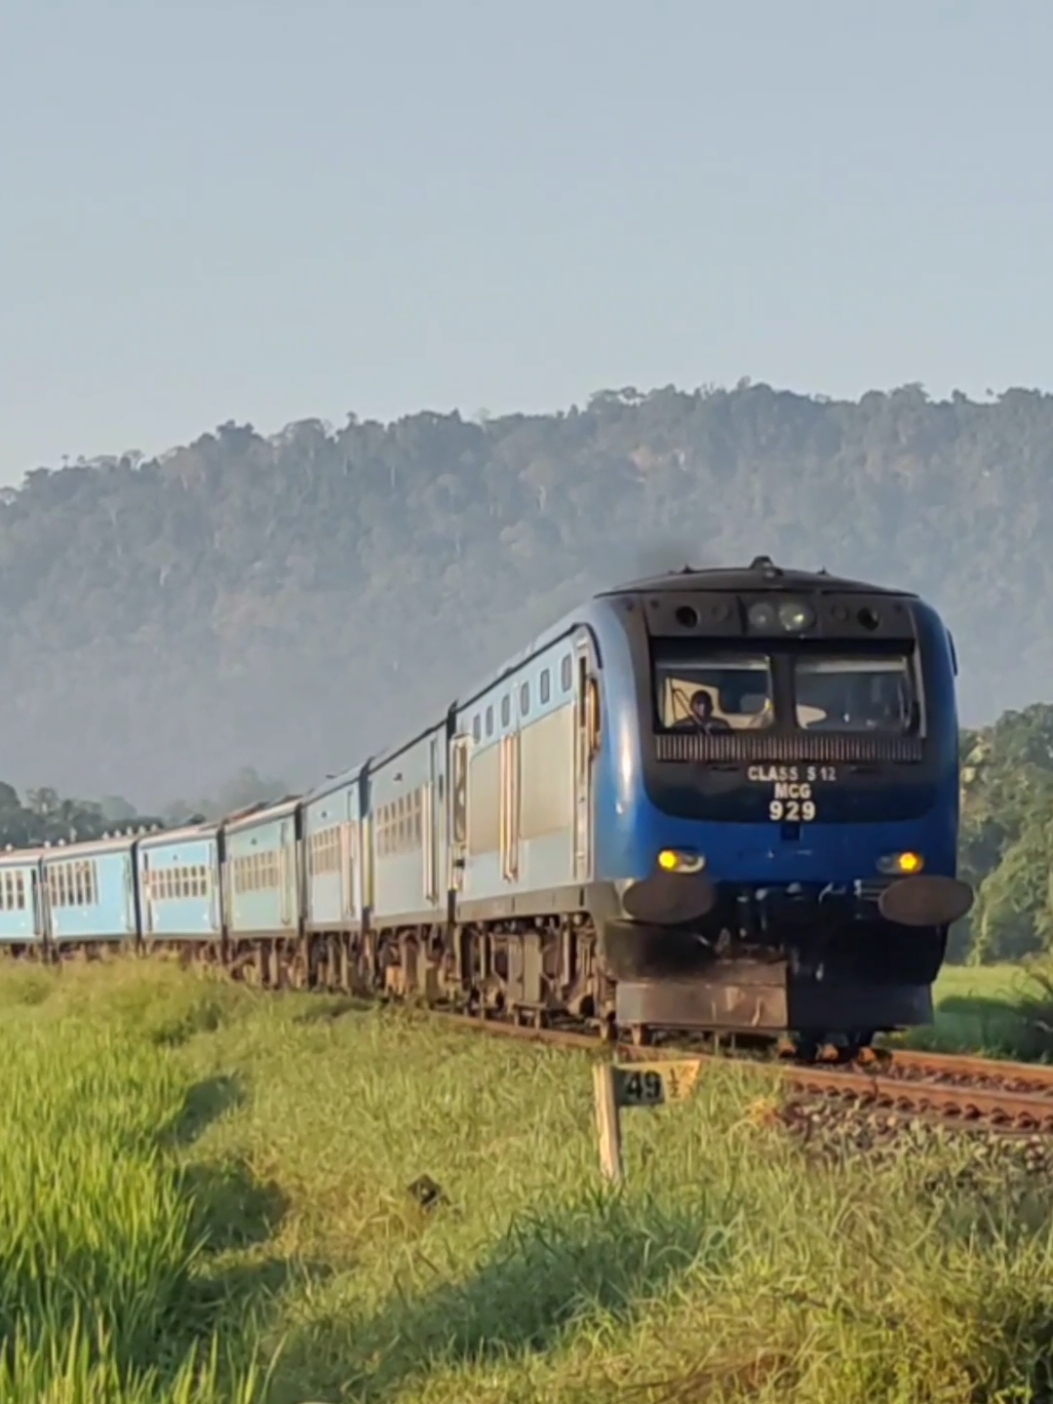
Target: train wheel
{"type": "Point", "coordinates": [807, 1046]}
{"type": "Point", "coordinates": [858, 1046]}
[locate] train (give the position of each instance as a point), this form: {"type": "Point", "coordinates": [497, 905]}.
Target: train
{"type": "Point", "coordinates": [715, 801]}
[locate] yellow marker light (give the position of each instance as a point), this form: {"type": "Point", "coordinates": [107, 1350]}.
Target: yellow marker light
{"type": "Point", "coordinates": [670, 860]}
{"type": "Point", "coordinates": [901, 863]}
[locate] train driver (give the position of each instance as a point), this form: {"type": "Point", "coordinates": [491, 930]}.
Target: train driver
{"type": "Point", "coordinates": [700, 716]}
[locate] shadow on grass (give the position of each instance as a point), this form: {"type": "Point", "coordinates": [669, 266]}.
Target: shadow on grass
{"type": "Point", "coordinates": [1017, 1028]}
{"type": "Point", "coordinates": [976, 1024]}
{"type": "Point", "coordinates": [231, 1207]}
{"type": "Point", "coordinates": [204, 1103]}
{"type": "Point", "coordinates": [550, 1276]}
{"type": "Point", "coordinates": [996, 1017]}
{"type": "Point", "coordinates": [324, 1007]}
{"type": "Point", "coordinates": [134, 1311]}
{"type": "Point", "coordinates": [206, 1013]}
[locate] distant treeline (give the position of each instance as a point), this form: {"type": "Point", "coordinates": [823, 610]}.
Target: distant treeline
{"type": "Point", "coordinates": [44, 816]}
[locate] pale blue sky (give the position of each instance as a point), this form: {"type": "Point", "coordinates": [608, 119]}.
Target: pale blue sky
{"type": "Point", "coordinates": [270, 211]}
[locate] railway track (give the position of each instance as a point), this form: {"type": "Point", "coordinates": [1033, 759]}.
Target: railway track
{"type": "Point", "coordinates": [962, 1090]}
{"type": "Point", "coordinates": [966, 1091]}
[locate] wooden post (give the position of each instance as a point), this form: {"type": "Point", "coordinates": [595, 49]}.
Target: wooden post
{"type": "Point", "coordinates": [608, 1122]}
{"type": "Point", "coordinates": [635, 1085]}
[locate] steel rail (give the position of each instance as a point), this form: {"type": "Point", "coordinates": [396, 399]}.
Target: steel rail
{"type": "Point", "coordinates": [964, 1090]}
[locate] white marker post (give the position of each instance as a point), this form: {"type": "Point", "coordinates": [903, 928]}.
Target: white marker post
{"type": "Point", "coordinates": [635, 1085]}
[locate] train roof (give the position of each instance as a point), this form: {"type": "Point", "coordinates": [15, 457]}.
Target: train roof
{"type": "Point", "coordinates": [337, 780]}
{"type": "Point", "coordinates": [761, 574]}
{"type": "Point", "coordinates": [158, 838]}
{"type": "Point", "coordinates": [116, 842]}
{"type": "Point", "coordinates": [263, 812]}
{"type": "Point", "coordinates": [13, 857]}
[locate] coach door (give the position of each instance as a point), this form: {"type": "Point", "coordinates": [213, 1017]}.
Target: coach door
{"type": "Point", "coordinates": [458, 810]}
{"type": "Point", "coordinates": [432, 816]}
{"type": "Point", "coordinates": [36, 896]}
{"type": "Point", "coordinates": [287, 872]}
{"type": "Point", "coordinates": [348, 841]}
{"type": "Point", "coordinates": [215, 913]}
{"type": "Point", "coordinates": [146, 889]}
{"type": "Point", "coordinates": [586, 742]}
{"type": "Point", "coordinates": [509, 817]}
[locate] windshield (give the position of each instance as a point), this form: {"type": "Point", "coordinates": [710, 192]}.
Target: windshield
{"type": "Point", "coordinates": [713, 693]}
{"type": "Point", "coordinates": [854, 694]}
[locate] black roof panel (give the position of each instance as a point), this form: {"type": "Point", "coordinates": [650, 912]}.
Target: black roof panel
{"type": "Point", "coordinates": [760, 574]}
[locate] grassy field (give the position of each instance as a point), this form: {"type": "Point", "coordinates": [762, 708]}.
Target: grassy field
{"type": "Point", "coordinates": [1003, 1010]}
{"type": "Point", "coordinates": [205, 1197]}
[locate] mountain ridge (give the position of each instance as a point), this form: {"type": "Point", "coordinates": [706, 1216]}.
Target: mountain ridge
{"type": "Point", "coordinates": [298, 601]}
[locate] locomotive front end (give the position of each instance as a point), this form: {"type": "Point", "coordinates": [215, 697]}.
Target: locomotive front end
{"type": "Point", "coordinates": [784, 819]}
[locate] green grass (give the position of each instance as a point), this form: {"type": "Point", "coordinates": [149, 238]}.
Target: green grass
{"type": "Point", "coordinates": [202, 1185]}
{"type": "Point", "coordinates": [103, 1291]}
{"type": "Point", "coordinates": [1001, 1010]}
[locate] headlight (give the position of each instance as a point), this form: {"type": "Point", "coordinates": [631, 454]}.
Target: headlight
{"type": "Point", "coordinates": [762, 617]}
{"type": "Point", "coordinates": [901, 863]}
{"type": "Point", "coordinates": [795, 615]}
{"type": "Point", "coordinates": [675, 860]}
{"type": "Point", "coordinates": [789, 617]}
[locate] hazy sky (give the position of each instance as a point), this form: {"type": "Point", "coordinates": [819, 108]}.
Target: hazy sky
{"type": "Point", "coordinates": [269, 211]}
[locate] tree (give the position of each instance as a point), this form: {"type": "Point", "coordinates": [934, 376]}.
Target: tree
{"type": "Point", "coordinates": [46, 817]}
{"type": "Point", "coordinates": [1007, 836]}
{"type": "Point", "coordinates": [116, 810]}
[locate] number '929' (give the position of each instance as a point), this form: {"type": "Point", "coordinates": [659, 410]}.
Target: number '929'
{"type": "Point", "coordinates": [792, 802]}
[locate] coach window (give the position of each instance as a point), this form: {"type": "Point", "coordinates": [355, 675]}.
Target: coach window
{"type": "Point", "coordinates": [489, 721]}
{"type": "Point", "coordinates": [546, 686]}
{"type": "Point", "coordinates": [506, 710]}
{"type": "Point", "coordinates": [477, 728]}
{"type": "Point", "coordinates": [566, 673]}
{"type": "Point", "coordinates": [524, 699]}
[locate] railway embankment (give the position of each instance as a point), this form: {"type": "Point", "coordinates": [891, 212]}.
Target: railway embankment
{"type": "Point", "coordinates": [217, 1194]}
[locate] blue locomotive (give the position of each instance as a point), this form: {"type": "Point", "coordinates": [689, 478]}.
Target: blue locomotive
{"type": "Point", "coordinates": [721, 800]}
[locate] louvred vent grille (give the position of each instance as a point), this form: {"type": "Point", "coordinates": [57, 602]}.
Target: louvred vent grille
{"type": "Point", "coordinates": [804, 746]}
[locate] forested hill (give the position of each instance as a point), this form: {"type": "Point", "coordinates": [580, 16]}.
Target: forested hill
{"type": "Point", "coordinates": [294, 602]}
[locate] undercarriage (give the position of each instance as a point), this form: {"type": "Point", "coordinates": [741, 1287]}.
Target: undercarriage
{"type": "Point", "coordinates": [759, 966]}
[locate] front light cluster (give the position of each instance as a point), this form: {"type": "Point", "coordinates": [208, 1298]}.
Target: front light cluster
{"type": "Point", "coordinates": [676, 860]}
{"type": "Point", "coordinates": [903, 864]}
{"type": "Point", "coordinates": [791, 616]}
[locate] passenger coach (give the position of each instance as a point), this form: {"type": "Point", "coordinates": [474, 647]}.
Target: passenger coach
{"type": "Point", "coordinates": [722, 800]}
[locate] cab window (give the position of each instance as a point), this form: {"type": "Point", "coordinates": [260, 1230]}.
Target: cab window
{"type": "Point", "coordinates": [710, 692]}
{"type": "Point", "coordinates": [855, 694]}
